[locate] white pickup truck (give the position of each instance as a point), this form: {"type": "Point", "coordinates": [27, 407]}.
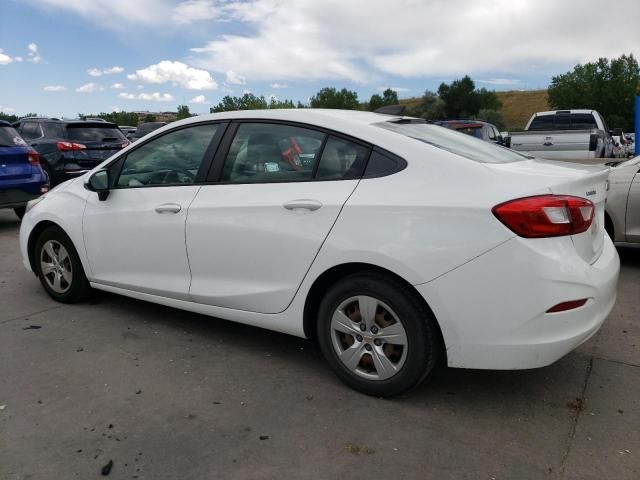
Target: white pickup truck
{"type": "Point", "coordinates": [570, 135]}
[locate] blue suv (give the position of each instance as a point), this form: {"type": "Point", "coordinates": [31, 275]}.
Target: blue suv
{"type": "Point", "coordinates": [21, 178]}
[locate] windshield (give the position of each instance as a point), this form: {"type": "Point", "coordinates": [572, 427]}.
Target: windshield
{"type": "Point", "coordinates": [455, 142]}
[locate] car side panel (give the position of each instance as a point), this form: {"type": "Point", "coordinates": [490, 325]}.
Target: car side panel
{"type": "Point", "coordinates": [633, 211]}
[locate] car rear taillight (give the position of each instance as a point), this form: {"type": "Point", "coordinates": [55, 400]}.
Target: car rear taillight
{"type": "Point", "coordinates": [34, 158]}
{"type": "Point", "coordinates": [546, 215]}
{"type": "Point", "coordinates": [70, 146]}
{"type": "Point", "coordinates": [593, 142]}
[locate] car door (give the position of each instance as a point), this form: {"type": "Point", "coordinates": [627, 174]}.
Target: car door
{"type": "Point", "coordinates": [633, 211]}
{"type": "Point", "coordinates": [135, 238]}
{"type": "Point", "coordinates": [276, 191]}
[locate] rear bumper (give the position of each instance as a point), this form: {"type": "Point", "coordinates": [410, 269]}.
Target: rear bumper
{"type": "Point", "coordinates": [17, 197]}
{"type": "Point", "coordinates": [492, 310]}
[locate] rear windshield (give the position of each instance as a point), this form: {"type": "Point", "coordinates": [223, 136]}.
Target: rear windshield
{"type": "Point", "coordinates": [9, 137]}
{"type": "Point", "coordinates": [95, 133]}
{"type": "Point", "coordinates": [564, 121]}
{"type": "Point", "coordinates": [455, 142]}
{"type": "Point", "coordinates": [473, 131]}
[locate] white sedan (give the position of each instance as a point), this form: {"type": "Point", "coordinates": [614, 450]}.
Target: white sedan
{"type": "Point", "coordinates": [396, 243]}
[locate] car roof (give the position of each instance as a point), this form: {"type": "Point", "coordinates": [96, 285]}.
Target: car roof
{"type": "Point", "coordinates": [4, 124]}
{"type": "Point", "coordinates": [565, 112]}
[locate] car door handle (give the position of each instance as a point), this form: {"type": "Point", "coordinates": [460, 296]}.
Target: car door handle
{"type": "Point", "coordinates": [303, 204]}
{"type": "Point", "coordinates": [168, 208]}
{"type": "Point", "coordinates": [548, 144]}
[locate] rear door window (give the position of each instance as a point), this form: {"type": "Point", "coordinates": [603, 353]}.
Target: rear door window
{"type": "Point", "coordinates": [31, 131]}
{"type": "Point", "coordinates": [263, 152]}
{"type": "Point", "coordinates": [342, 159]}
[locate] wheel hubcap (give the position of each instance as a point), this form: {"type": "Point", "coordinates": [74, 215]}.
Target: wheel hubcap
{"type": "Point", "coordinates": [55, 265]}
{"type": "Point", "coordinates": [369, 338]}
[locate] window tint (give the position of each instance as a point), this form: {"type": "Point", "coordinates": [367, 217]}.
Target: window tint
{"type": "Point", "coordinates": [381, 164]}
{"type": "Point", "coordinates": [173, 158]}
{"type": "Point", "coordinates": [31, 130]}
{"type": "Point", "coordinates": [53, 130]}
{"type": "Point", "coordinates": [583, 121]}
{"type": "Point", "coordinates": [342, 159]}
{"type": "Point", "coordinates": [92, 133]}
{"type": "Point", "coordinates": [543, 122]}
{"type": "Point", "coordinates": [562, 121]}
{"type": "Point", "coordinates": [9, 137]}
{"type": "Point", "coordinates": [262, 152]}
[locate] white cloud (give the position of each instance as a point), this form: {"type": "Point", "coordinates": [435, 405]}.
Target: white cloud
{"type": "Point", "coordinates": [33, 55]}
{"type": "Point", "coordinates": [7, 109]}
{"type": "Point", "coordinates": [117, 86]}
{"type": "Point", "coordinates": [116, 109]}
{"type": "Point", "coordinates": [234, 79]}
{"type": "Point", "coordinates": [246, 91]}
{"type": "Point", "coordinates": [200, 100]}
{"type": "Point", "coordinates": [88, 88]}
{"type": "Point", "coordinates": [500, 81]}
{"type": "Point", "coordinates": [4, 58]}
{"type": "Point", "coordinates": [97, 72]}
{"type": "Point", "coordinates": [177, 73]}
{"type": "Point", "coordinates": [55, 88]}
{"type": "Point", "coordinates": [279, 85]}
{"type": "Point", "coordinates": [149, 97]}
{"type": "Point", "coordinates": [18, 59]}
{"type": "Point", "coordinates": [194, 10]}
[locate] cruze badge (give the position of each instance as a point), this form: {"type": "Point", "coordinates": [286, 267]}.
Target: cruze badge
{"type": "Point", "coordinates": [591, 192]}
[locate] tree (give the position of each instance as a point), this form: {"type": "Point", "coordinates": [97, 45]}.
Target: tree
{"type": "Point", "coordinates": [149, 118]}
{"type": "Point", "coordinates": [329, 97]}
{"type": "Point", "coordinates": [463, 100]}
{"type": "Point", "coordinates": [606, 86]}
{"type": "Point", "coordinates": [183, 112]}
{"type": "Point", "coordinates": [249, 101]}
{"type": "Point", "coordinates": [375, 102]}
{"type": "Point", "coordinates": [431, 107]}
{"type": "Point", "coordinates": [390, 97]}
{"type": "Point", "coordinates": [8, 117]}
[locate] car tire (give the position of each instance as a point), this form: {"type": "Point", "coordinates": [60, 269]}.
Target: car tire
{"type": "Point", "coordinates": [49, 173]}
{"type": "Point", "coordinates": [59, 268]}
{"type": "Point", "coordinates": [385, 352]}
{"type": "Point", "coordinates": [20, 211]}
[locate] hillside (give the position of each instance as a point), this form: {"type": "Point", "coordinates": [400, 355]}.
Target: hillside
{"type": "Point", "coordinates": [517, 106]}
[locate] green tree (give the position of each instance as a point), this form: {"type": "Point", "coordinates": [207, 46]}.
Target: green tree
{"type": "Point", "coordinates": [249, 101]}
{"type": "Point", "coordinates": [329, 97]}
{"type": "Point", "coordinates": [375, 102]}
{"type": "Point", "coordinates": [183, 112]}
{"type": "Point", "coordinates": [431, 107]}
{"type": "Point", "coordinates": [608, 86]}
{"type": "Point", "coordinates": [8, 117]}
{"type": "Point", "coordinates": [463, 100]}
{"type": "Point", "coordinates": [390, 97]}
{"type": "Point", "coordinates": [149, 118]}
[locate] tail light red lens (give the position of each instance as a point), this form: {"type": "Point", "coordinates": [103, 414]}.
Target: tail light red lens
{"type": "Point", "coordinates": [34, 158]}
{"type": "Point", "coordinates": [70, 146]}
{"type": "Point", "coordinates": [546, 215]}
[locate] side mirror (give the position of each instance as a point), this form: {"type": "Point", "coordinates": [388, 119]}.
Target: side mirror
{"type": "Point", "coordinates": [99, 182]}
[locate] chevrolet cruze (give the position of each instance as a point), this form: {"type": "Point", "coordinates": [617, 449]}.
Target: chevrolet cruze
{"type": "Point", "coordinates": [397, 244]}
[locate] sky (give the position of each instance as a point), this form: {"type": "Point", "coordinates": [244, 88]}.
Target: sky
{"type": "Point", "coordinates": [64, 57]}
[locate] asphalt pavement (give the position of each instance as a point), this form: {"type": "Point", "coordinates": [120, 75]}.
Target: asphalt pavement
{"type": "Point", "coordinates": [130, 389]}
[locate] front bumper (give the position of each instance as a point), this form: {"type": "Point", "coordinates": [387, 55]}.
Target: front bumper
{"type": "Point", "coordinates": [492, 310]}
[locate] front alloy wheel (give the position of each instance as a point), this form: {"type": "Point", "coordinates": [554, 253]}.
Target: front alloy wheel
{"type": "Point", "coordinates": [55, 265]}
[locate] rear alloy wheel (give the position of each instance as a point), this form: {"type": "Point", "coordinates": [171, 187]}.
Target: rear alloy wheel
{"type": "Point", "coordinates": [59, 268]}
{"type": "Point", "coordinates": [20, 211]}
{"type": "Point", "coordinates": [376, 334]}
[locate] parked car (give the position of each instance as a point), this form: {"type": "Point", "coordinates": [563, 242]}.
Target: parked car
{"type": "Point", "coordinates": [394, 242]}
{"type": "Point", "coordinates": [70, 148]}
{"type": "Point", "coordinates": [622, 218]}
{"type": "Point", "coordinates": [565, 135]}
{"type": "Point", "coordinates": [21, 178]}
{"type": "Point", "coordinates": [143, 129]}
{"type": "Point", "coordinates": [482, 130]}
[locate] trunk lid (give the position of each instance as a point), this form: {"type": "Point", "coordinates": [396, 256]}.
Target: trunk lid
{"type": "Point", "coordinates": [555, 141]}
{"type": "Point", "coordinates": [562, 178]}
{"type": "Point", "coordinates": [14, 163]}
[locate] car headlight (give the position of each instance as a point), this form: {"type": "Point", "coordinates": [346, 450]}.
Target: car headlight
{"type": "Point", "coordinates": [34, 202]}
